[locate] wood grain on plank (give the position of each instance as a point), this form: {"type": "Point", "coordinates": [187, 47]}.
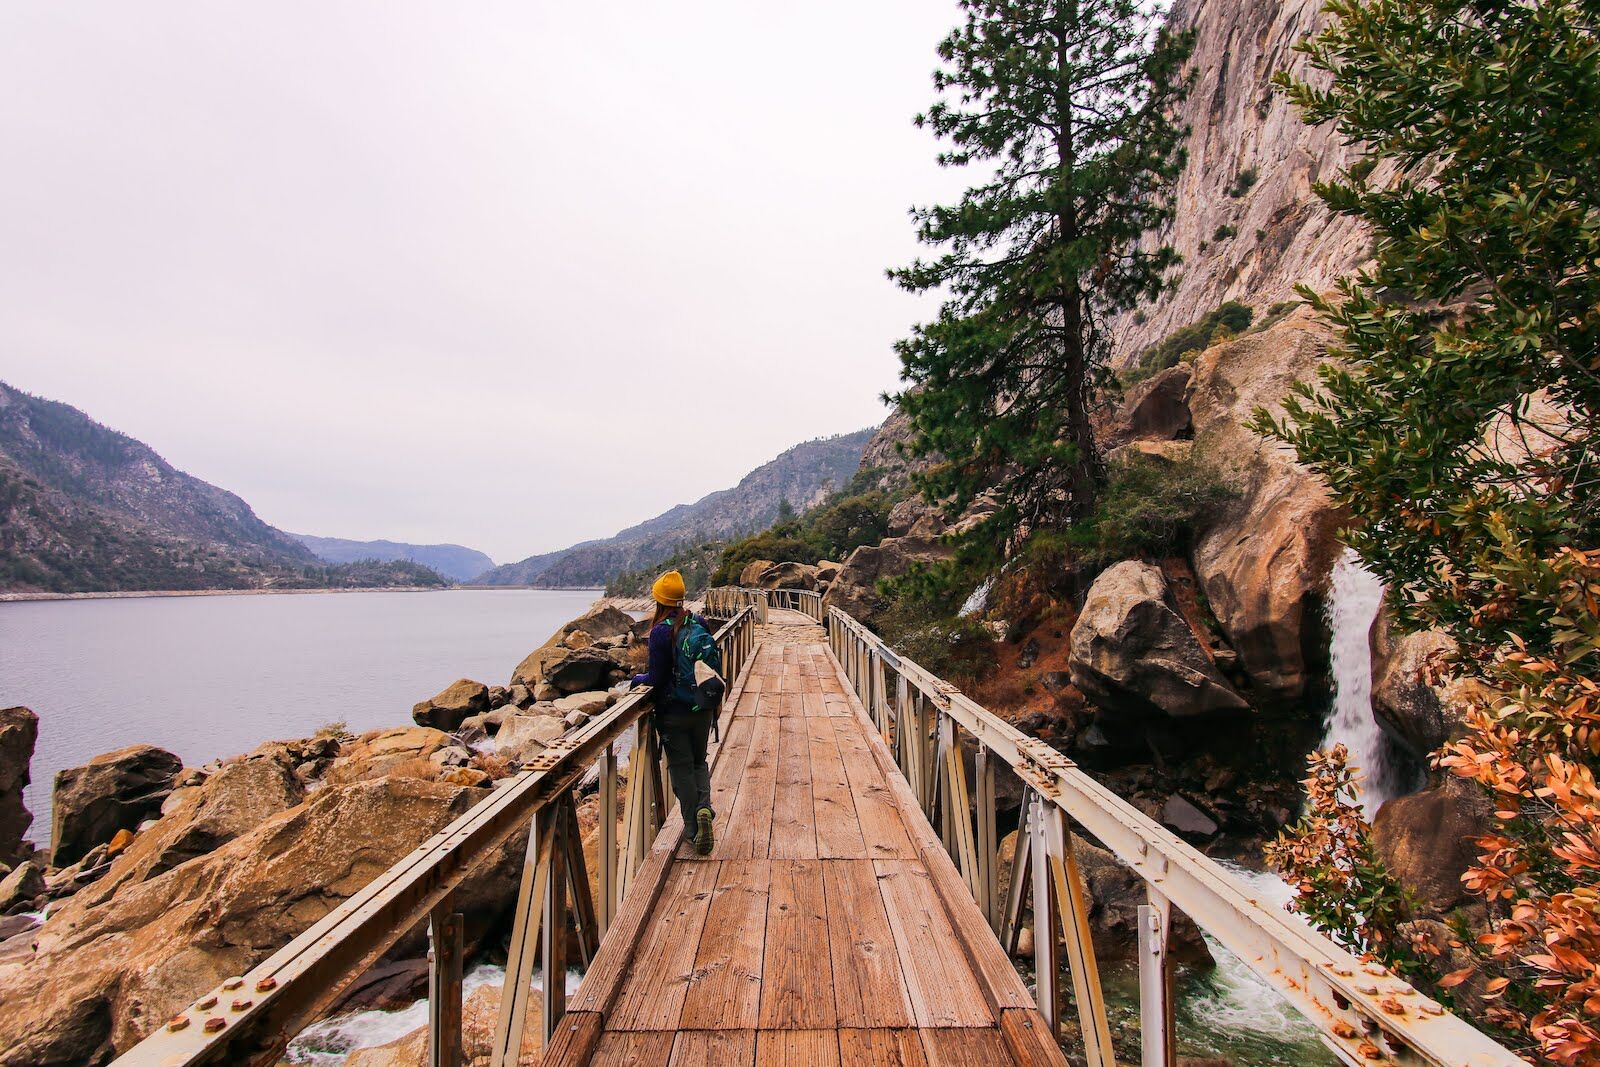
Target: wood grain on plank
{"type": "Point", "coordinates": [797, 1048]}
{"type": "Point", "coordinates": [794, 829]}
{"type": "Point", "coordinates": [652, 993]}
{"type": "Point", "coordinates": [1029, 1038]}
{"type": "Point", "coordinates": [725, 991]}
{"type": "Point", "coordinates": [832, 803]}
{"type": "Point", "coordinates": [944, 991]}
{"type": "Point", "coordinates": [965, 1047]}
{"type": "Point", "coordinates": [728, 772]}
{"type": "Point", "coordinates": [714, 1048]}
{"type": "Point", "coordinates": [797, 970]}
{"type": "Point", "coordinates": [1001, 985]}
{"type": "Point", "coordinates": [881, 1048]}
{"type": "Point", "coordinates": [749, 826]}
{"type": "Point", "coordinates": [636, 1049]}
{"type": "Point", "coordinates": [882, 829]}
{"type": "Point", "coordinates": [574, 1040]}
{"type": "Point", "coordinates": [604, 978]}
{"type": "Point", "coordinates": [869, 989]}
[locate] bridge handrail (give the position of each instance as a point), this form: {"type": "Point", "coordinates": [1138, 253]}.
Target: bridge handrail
{"type": "Point", "coordinates": [806, 601]}
{"type": "Point", "coordinates": [264, 1009]}
{"type": "Point", "coordinates": [725, 601]}
{"type": "Point", "coordinates": [1362, 1012]}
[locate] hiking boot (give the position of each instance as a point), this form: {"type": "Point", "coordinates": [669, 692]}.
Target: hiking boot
{"type": "Point", "coordinates": [704, 839]}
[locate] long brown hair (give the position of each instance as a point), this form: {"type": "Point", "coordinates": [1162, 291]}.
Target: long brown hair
{"type": "Point", "coordinates": [676, 612]}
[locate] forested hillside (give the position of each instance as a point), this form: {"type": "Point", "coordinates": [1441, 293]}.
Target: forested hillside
{"type": "Point", "coordinates": [452, 561]}
{"type": "Point", "coordinates": [799, 478]}
{"type": "Point", "coordinates": [84, 508]}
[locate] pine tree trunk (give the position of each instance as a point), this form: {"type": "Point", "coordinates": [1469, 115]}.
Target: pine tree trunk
{"type": "Point", "coordinates": [1083, 476]}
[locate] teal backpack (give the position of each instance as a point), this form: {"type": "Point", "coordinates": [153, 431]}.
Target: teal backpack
{"type": "Point", "coordinates": [696, 645]}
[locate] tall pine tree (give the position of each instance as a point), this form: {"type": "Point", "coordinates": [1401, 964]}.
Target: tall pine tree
{"type": "Point", "coordinates": [1066, 107]}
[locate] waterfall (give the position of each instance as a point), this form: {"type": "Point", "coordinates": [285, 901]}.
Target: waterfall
{"type": "Point", "coordinates": [1353, 601]}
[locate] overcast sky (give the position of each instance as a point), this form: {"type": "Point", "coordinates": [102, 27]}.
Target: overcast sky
{"type": "Point", "coordinates": [505, 274]}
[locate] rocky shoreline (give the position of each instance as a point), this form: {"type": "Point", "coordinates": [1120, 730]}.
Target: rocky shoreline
{"type": "Point", "coordinates": [160, 880]}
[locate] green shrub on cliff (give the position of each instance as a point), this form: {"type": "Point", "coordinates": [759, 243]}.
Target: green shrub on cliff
{"type": "Point", "coordinates": [1149, 508]}
{"type": "Point", "coordinates": [1222, 321]}
{"type": "Point", "coordinates": [831, 530]}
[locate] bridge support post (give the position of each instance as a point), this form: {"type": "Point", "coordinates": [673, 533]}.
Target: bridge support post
{"type": "Point", "coordinates": [446, 931]}
{"type": "Point", "coordinates": [1046, 968]}
{"type": "Point", "coordinates": [1054, 847]}
{"type": "Point", "coordinates": [957, 811]}
{"type": "Point", "coordinates": [608, 838]}
{"type": "Point", "coordinates": [1155, 983]}
{"type": "Point", "coordinates": [553, 926]}
{"type": "Point", "coordinates": [639, 820]}
{"type": "Point", "coordinates": [1011, 924]}
{"type": "Point", "coordinates": [585, 919]}
{"type": "Point", "coordinates": [988, 844]}
{"type": "Point", "coordinates": [515, 992]}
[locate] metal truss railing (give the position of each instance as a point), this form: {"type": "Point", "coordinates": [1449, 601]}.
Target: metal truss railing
{"type": "Point", "coordinates": [250, 1019]}
{"type": "Point", "coordinates": [1365, 1014]}
{"type": "Point", "coordinates": [723, 600]}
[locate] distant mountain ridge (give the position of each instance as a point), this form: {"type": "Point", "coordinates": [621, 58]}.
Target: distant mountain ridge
{"type": "Point", "coordinates": [453, 561]}
{"type": "Point", "coordinates": [800, 477]}
{"type": "Point", "coordinates": [84, 508]}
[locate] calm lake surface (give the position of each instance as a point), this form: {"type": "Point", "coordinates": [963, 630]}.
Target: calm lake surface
{"type": "Point", "coordinates": [213, 676]}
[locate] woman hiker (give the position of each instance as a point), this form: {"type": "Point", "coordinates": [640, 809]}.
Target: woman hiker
{"type": "Point", "coordinates": [678, 640]}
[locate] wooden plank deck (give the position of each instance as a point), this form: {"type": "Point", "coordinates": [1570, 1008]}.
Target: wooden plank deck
{"type": "Point", "coordinates": [826, 927]}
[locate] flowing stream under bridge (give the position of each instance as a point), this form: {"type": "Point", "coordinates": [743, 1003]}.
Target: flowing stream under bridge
{"type": "Point", "coordinates": [850, 912]}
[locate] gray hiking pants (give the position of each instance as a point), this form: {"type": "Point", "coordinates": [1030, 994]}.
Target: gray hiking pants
{"type": "Point", "coordinates": [685, 733]}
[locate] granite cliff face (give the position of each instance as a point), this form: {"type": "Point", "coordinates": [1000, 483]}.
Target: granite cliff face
{"type": "Point", "coordinates": [1248, 226]}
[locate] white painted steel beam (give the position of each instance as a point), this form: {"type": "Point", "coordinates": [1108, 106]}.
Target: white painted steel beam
{"type": "Point", "coordinates": [1363, 1012]}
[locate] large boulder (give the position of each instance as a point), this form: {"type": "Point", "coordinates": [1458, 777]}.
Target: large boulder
{"type": "Point", "coordinates": [114, 791]}
{"type": "Point", "coordinates": [1429, 839]}
{"type": "Point", "coordinates": [524, 736]}
{"type": "Point", "coordinates": [750, 576]}
{"type": "Point", "coordinates": [1421, 717]}
{"type": "Point", "coordinates": [1156, 408]}
{"type": "Point", "coordinates": [19, 729]}
{"type": "Point", "coordinates": [1129, 647]}
{"type": "Point", "coordinates": [597, 624]}
{"type": "Point", "coordinates": [855, 590]}
{"type": "Point", "coordinates": [1263, 558]}
{"type": "Point", "coordinates": [106, 975]}
{"type": "Point", "coordinates": [379, 752]}
{"type": "Point", "coordinates": [200, 819]}
{"type": "Point", "coordinates": [21, 886]}
{"type": "Point", "coordinates": [570, 670]}
{"type": "Point", "coordinates": [789, 575]}
{"type": "Point", "coordinates": [460, 700]}
{"type": "Point", "coordinates": [914, 516]}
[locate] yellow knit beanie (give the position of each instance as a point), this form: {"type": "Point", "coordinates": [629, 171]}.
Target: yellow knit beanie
{"type": "Point", "coordinates": [669, 589]}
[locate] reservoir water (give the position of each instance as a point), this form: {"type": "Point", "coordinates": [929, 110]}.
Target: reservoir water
{"type": "Point", "coordinates": [213, 676]}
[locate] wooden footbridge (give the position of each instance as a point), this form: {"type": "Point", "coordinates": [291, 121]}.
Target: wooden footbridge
{"type": "Point", "coordinates": [850, 912]}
